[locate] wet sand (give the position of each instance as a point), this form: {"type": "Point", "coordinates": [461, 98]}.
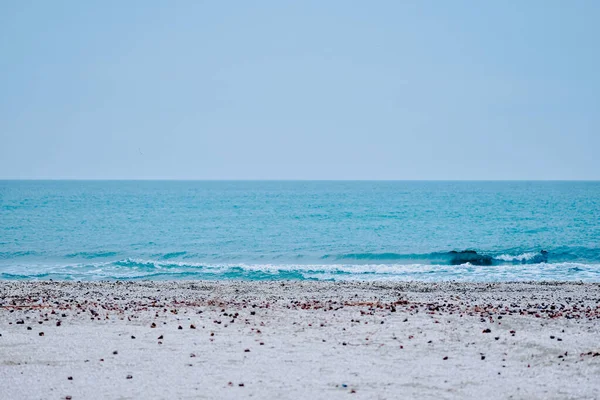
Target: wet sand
{"type": "Point", "coordinates": [299, 340]}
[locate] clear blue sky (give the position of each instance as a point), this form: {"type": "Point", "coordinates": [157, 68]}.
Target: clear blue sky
{"type": "Point", "coordinates": [300, 89]}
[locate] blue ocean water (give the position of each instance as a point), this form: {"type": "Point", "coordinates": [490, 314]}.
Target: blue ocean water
{"type": "Point", "coordinates": [98, 230]}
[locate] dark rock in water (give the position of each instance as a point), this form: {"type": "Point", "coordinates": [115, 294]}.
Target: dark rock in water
{"type": "Point", "coordinates": [469, 256]}
{"type": "Point", "coordinates": [539, 258]}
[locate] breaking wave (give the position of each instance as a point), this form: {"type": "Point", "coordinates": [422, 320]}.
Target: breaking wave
{"type": "Point", "coordinates": [145, 269]}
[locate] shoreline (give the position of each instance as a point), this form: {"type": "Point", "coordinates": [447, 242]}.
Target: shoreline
{"type": "Point", "coordinates": [295, 339]}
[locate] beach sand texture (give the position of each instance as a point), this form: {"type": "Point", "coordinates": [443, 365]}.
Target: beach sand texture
{"type": "Point", "coordinates": [297, 340]}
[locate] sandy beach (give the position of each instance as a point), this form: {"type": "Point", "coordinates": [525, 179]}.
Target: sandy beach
{"type": "Point", "coordinates": [294, 340]}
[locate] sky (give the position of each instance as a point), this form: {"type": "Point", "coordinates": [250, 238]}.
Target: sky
{"type": "Point", "coordinates": [300, 90]}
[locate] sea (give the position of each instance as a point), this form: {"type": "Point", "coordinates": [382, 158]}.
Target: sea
{"type": "Point", "coordinates": [300, 230]}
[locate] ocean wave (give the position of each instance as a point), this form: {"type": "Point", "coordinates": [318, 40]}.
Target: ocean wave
{"type": "Point", "coordinates": [517, 258]}
{"type": "Point", "coordinates": [92, 254]}
{"type": "Point", "coordinates": [7, 255]}
{"type": "Point", "coordinates": [140, 269]}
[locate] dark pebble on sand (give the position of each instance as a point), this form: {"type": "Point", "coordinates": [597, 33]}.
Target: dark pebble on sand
{"type": "Point", "coordinates": [133, 337]}
{"type": "Point", "coordinates": [247, 351]}
{"type": "Point", "coordinates": [497, 337]}
{"type": "Point", "coordinates": [153, 325]}
{"type": "Point", "coordinates": [160, 337]}
{"type": "Point", "coordinates": [129, 377]}
{"type": "Point", "coordinates": [483, 357]}
{"type": "Point", "coordinates": [41, 333]}
{"type": "Point", "coordinates": [559, 339]}
{"type": "Point", "coordinates": [28, 328]}
{"type": "Point", "coordinates": [115, 352]}
{"type": "Point", "coordinates": [70, 378]}
{"type": "Point", "coordinates": [551, 337]}
{"type": "Point", "coordinates": [58, 323]}
{"type": "Point", "coordinates": [68, 397]}
{"type": "Point", "coordinates": [241, 385]}
{"type": "Point", "coordinates": [20, 322]}
{"type": "Point", "coordinates": [179, 327]}
{"type": "Point", "coordinates": [487, 330]}
{"type": "Point", "coordinates": [192, 326]}
{"type": "Point", "coordinates": [445, 358]}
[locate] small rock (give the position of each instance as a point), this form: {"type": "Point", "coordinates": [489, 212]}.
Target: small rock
{"type": "Point", "coordinates": [445, 358]}
{"type": "Point", "coordinates": [129, 377]}
{"type": "Point", "coordinates": [41, 333]}
{"type": "Point", "coordinates": [70, 378]}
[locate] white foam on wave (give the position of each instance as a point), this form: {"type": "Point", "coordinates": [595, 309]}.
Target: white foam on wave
{"type": "Point", "coordinates": [520, 257]}
{"type": "Point", "coordinates": [148, 269]}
